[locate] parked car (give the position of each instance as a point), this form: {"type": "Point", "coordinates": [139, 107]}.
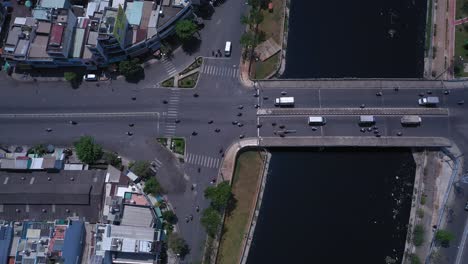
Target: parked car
{"type": "Point", "coordinates": [90, 77]}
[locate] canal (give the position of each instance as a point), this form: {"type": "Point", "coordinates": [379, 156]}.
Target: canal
{"type": "Point", "coordinates": [366, 38]}
{"type": "Point", "coordinates": [334, 205]}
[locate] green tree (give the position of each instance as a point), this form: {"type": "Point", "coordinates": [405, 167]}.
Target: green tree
{"type": "Point", "coordinates": [169, 217]}
{"type": "Point", "coordinates": [444, 237]}
{"type": "Point", "coordinates": [185, 29]}
{"type": "Point", "coordinates": [418, 235]}
{"type": "Point", "coordinates": [112, 159]}
{"type": "Point", "coordinates": [414, 259]}
{"type": "Point", "coordinates": [141, 168]}
{"type": "Point", "coordinates": [248, 39]}
{"type": "Point", "coordinates": [38, 149]}
{"type": "Point", "coordinates": [70, 76]}
{"type": "Point", "coordinates": [152, 186]}
{"type": "Point", "coordinates": [256, 16]}
{"type": "Point", "coordinates": [88, 151]}
{"type": "Point", "coordinates": [211, 219]}
{"type": "Point", "coordinates": [131, 69]}
{"type": "Point", "coordinates": [177, 244]}
{"type": "Point", "coordinates": [219, 195]}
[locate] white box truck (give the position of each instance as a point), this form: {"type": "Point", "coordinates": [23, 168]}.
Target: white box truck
{"type": "Point", "coordinates": [366, 120]}
{"type": "Point", "coordinates": [284, 101]}
{"type": "Point", "coordinates": [411, 120]}
{"type": "Point", "coordinates": [316, 120]}
{"type": "Point", "coordinates": [429, 101]}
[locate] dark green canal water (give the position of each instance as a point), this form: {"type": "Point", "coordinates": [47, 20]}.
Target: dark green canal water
{"type": "Point", "coordinates": [347, 205]}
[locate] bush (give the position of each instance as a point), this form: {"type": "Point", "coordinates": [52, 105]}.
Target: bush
{"type": "Point", "coordinates": [141, 168]}
{"type": "Point", "coordinates": [70, 76]}
{"type": "Point", "coordinates": [168, 83]}
{"type": "Point", "coordinates": [422, 201]}
{"type": "Point", "coordinates": [112, 159]}
{"type": "Point", "coordinates": [39, 149]}
{"type": "Point", "coordinates": [169, 217]}
{"type": "Point", "coordinates": [211, 219]}
{"type": "Point", "coordinates": [87, 151]}
{"type": "Point", "coordinates": [152, 187]}
{"type": "Point", "coordinates": [444, 237]}
{"type": "Point", "coordinates": [418, 235]}
{"type": "Point", "coordinates": [414, 259]}
{"type": "Point", "coordinates": [420, 213]}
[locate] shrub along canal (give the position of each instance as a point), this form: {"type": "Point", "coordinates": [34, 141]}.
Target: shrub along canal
{"type": "Point", "coordinates": [334, 205]}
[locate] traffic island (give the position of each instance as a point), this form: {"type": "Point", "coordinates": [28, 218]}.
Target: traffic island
{"type": "Point", "coordinates": [187, 78]}
{"type": "Point", "coordinates": [189, 81]}
{"type": "Point", "coordinates": [168, 83]}
{"type": "Point", "coordinates": [175, 144]}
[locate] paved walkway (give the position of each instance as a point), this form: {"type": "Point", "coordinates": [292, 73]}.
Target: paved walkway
{"type": "Point", "coordinates": [461, 21]}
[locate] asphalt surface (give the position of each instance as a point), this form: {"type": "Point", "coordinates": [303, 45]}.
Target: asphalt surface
{"type": "Point", "coordinates": [222, 100]}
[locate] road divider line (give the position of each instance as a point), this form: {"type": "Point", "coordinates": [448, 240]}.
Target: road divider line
{"type": "Point", "coordinates": [352, 111]}
{"type": "Point", "coordinates": [78, 115]}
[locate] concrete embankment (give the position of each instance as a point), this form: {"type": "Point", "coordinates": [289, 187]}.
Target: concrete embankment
{"type": "Point", "coordinates": [227, 168]}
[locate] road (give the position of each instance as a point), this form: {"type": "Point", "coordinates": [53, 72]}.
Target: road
{"type": "Point", "coordinates": [222, 100]}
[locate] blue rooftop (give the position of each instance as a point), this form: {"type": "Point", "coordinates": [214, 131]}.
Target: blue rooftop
{"type": "Point", "coordinates": [6, 238]}
{"type": "Point", "coordinates": [54, 3]}
{"type": "Point", "coordinates": [134, 12]}
{"type": "Point", "coordinates": [74, 242]}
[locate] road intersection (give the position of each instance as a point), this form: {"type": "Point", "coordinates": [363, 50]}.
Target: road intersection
{"type": "Point", "coordinates": [106, 110]}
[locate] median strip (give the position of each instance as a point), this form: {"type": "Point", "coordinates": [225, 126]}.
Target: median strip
{"type": "Point", "coordinates": [352, 111]}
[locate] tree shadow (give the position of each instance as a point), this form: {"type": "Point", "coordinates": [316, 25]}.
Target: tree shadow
{"type": "Point", "coordinates": [75, 84]}
{"type": "Point", "coordinates": [231, 206]}
{"type": "Point", "coordinates": [204, 11]}
{"type": "Point", "coordinates": [191, 45]}
{"type": "Point", "coordinates": [136, 77]}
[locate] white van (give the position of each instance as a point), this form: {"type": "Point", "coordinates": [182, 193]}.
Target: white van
{"type": "Point", "coordinates": [227, 49]}
{"type": "Point", "coordinates": [316, 120]}
{"type": "Point", "coordinates": [90, 77]}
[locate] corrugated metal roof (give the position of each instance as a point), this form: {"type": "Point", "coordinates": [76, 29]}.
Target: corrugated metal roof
{"type": "Point", "coordinates": [54, 3]}
{"type": "Point", "coordinates": [56, 35]}
{"type": "Point", "coordinates": [78, 42]}
{"type": "Point", "coordinates": [134, 12]}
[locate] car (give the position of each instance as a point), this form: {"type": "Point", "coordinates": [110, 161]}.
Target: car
{"type": "Point", "coordinates": [90, 77]}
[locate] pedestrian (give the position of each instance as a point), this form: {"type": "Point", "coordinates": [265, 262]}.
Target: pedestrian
{"type": "Point", "coordinates": [212, 53]}
{"type": "Point", "coordinates": [191, 217]}
{"type": "Point", "coordinates": [197, 208]}
{"type": "Point", "coordinates": [199, 169]}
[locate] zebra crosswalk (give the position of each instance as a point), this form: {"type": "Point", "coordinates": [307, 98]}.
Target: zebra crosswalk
{"type": "Point", "coordinates": [201, 160]}
{"type": "Point", "coordinates": [172, 112]}
{"type": "Point", "coordinates": [169, 66]}
{"type": "Point", "coordinates": [230, 72]}
{"type": "Point", "coordinates": [156, 165]}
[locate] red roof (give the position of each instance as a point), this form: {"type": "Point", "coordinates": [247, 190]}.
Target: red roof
{"type": "Point", "coordinates": [56, 35]}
